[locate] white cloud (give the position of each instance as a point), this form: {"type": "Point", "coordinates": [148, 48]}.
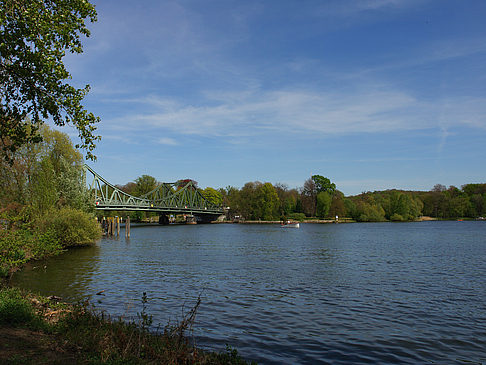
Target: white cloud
{"type": "Point", "coordinates": [303, 112]}
{"type": "Point", "coordinates": [167, 141]}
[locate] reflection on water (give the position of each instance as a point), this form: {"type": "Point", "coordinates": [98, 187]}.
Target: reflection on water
{"type": "Point", "coordinates": [68, 274]}
{"type": "Point", "coordinates": [355, 293]}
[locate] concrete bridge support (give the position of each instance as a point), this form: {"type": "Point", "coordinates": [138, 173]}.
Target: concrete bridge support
{"type": "Point", "coordinates": [163, 219]}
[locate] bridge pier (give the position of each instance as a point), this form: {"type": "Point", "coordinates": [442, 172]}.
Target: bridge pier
{"type": "Point", "coordinates": [163, 219]}
{"type": "Point", "coordinates": [206, 218]}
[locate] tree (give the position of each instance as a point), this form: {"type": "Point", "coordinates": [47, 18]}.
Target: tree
{"type": "Point", "coordinates": [323, 184]}
{"type": "Point", "coordinates": [181, 183]}
{"type": "Point", "coordinates": [324, 200]}
{"type": "Point", "coordinates": [267, 204]}
{"type": "Point", "coordinates": [129, 188]}
{"type": "Point", "coordinates": [308, 197]}
{"type": "Point", "coordinates": [213, 196]}
{"type": "Point", "coordinates": [34, 38]}
{"type": "Point", "coordinates": [145, 184]}
{"type": "Point", "coordinates": [45, 174]}
{"type": "Point", "coordinates": [439, 188]}
{"type": "Point", "coordinates": [288, 199]}
{"type": "Point", "coordinates": [338, 207]}
{"type": "Point", "coordinates": [247, 199]}
{"type": "Point", "coordinates": [231, 199]}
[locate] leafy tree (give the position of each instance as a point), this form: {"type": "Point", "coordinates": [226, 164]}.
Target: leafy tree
{"type": "Point", "coordinates": [439, 188]}
{"type": "Point", "coordinates": [338, 207]}
{"type": "Point", "coordinates": [181, 183]}
{"type": "Point", "coordinates": [34, 38]}
{"type": "Point", "coordinates": [324, 200]}
{"type": "Point", "coordinates": [267, 202]}
{"type": "Point", "coordinates": [129, 188]}
{"type": "Point", "coordinates": [288, 199]}
{"type": "Point", "coordinates": [323, 184]}
{"type": "Point", "coordinates": [145, 184]}
{"type": "Point", "coordinates": [247, 200]}
{"type": "Point", "coordinates": [45, 174]}
{"type": "Point", "coordinates": [308, 197]}
{"type": "Point", "coordinates": [213, 196]}
{"type": "Point", "coordinates": [44, 194]}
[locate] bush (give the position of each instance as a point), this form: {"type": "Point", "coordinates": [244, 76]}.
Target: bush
{"type": "Point", "coordinates": [14, 309]}
{"type": "Point", "coordinates": [17, 246]}
{"type": "Point", "coordinates": [297, 217]}
{"type": "Point", "coordinates": [12, 253]}
{"type": "Point", "coordinates": [70, 227]}
{"type": "Point", "coordinates": [397, 218]}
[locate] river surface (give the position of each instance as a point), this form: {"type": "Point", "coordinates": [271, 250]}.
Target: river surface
{"type": "Point", "coordinates": [378, 293]}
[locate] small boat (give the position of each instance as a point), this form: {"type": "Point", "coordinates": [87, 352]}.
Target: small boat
{"type": "Point", "coordinates": [290, 224]}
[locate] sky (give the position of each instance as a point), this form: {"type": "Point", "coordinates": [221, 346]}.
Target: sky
{"type": "Point", "coordinates": [373, 94]}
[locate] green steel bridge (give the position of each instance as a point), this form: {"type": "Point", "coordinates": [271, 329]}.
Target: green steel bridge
{"type": "Point", "coordinates": [165, 199]}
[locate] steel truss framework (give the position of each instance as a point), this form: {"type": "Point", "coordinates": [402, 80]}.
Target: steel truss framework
{"type": "Point", "coordinates": [166, 198]}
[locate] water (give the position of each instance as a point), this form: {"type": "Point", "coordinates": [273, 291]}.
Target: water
{"type": "Point", "coordinates": [374, 293]}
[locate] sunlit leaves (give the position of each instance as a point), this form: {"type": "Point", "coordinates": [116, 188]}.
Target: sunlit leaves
{"type": "Point", "coordinates": [34, 38]}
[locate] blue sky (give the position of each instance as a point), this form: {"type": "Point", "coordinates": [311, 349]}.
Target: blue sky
{"type": "Point", "coordinates": [374, 94]}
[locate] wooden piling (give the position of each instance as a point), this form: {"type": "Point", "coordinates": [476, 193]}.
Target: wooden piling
{"type": "Point", "coordinates": [118, 226]}
{"type": "Point", "coordinates": [127, 227]}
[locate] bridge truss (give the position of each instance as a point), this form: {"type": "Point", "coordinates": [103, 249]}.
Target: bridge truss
{"type": "Point", "coordinates": [167, 198]}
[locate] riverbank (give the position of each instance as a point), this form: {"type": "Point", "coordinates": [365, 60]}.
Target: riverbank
{"type": "Point", "coordinates": [37, 329]}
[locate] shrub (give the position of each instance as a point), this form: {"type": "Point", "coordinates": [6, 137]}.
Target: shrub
{"type": "Point", "coordinates": [297, 216]}
{"type": "Point", "coordinates": [397, 218]}
{"type": "Point", "coordinates": [12, 253]}
{"type": "Point", "coordinates": [14, 309]}
{"type": "Point", "coordinates": [71, 227]}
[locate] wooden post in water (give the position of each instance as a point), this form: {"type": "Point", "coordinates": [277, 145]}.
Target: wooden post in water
{"type": "Point", "coordinates": [118, 226]}
{"type": "Point", "coordinates": [127, 227]}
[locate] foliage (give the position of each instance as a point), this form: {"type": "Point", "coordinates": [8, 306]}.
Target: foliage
{"type": "Point", "coordinates": [145, 184]}
{"type": "Point", "coordinates": [15, 310]}
{"type": "Point", "coordinates": [17, 246]}
{"type": "Point", "coordinates": [297, 216]}
{"type": "Point", "coordinates": [323, 184]}
{"type": "Point", "coordinates": [267, 203]}
{"type": "Point", "coordinates": [324, 200]}
{"type": "Point", "coordinates": [469, 201]}
{"type": "Point", "coordinates": [44, 175]}
{"type": "Point", "coordinates": [397, 218]}
{"type": "Point", "coordinates": [34, 38]}
{"type": "Point", "coordinates": [82, 335]}
{"type": "Point", "coordinates": [308, 197]}
{"type": "Point", "coordinates": [213, 196]}
{"type": "Point", "coordinates": [338, 207]}
{"type": "Point", "coordinates": [71, 227]}
{"type": "Point", "coordinates": [289, 199]}
{"type": "Point", "coordinates": [181, 183]}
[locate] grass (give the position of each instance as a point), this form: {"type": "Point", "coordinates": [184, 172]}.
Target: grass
{"type": "Point", "coordinates": [37, 327]}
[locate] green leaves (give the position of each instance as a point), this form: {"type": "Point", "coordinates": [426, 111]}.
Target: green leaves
{"type": "Point", "coordinates": [34, 38]}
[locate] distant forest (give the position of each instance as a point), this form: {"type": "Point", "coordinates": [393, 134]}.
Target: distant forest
{"type": "Point", "coordinates": [319, 198]}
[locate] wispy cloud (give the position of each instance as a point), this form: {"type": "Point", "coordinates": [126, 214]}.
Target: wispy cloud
{"type": "Point", "coordinates": [167, 141]}
{"type": "Point", "coordinates": [301, 112]}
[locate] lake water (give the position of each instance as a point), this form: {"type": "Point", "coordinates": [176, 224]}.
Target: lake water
{"type": "Point", "coordinates": [375, 293]}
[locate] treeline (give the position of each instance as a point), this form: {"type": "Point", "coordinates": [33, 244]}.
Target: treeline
{"type": "Point", "coordinates": [44, 203]}
{"type": "Point", "coordinates": [319, 198]}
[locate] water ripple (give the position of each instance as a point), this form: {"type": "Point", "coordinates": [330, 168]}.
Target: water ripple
{"type": "Point", "coordinates": [329, 294]}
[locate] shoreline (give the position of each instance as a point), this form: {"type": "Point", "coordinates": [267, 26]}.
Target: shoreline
{"type": "Point", "coordinates": [37, 329]}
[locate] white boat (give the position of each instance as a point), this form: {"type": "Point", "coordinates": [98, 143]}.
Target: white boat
{"type": "Point", "coordinates": [290, 224]}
